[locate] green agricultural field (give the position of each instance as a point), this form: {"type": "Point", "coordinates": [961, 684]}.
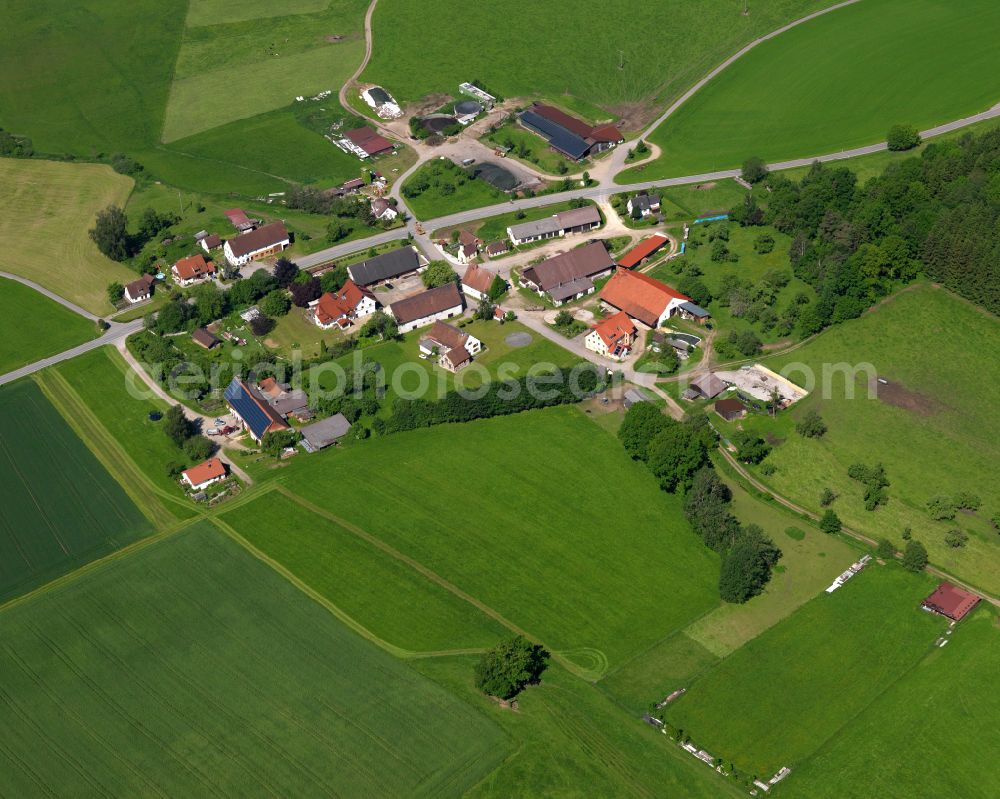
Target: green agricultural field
{"type": "Point", "coordinates": [215, 12]}
{"type": "Point", "coordinates": [101, 380]}
{"type": "Point", "coordinates": [33, 327]}
{"type": "Point", "coordinates": [751, 267]}
{"type": "Point", "coordinates": [776, 700]}
{"type": "Point", "coordinates": [926, 425]}
{"type": "Point", "coordinates": [574, 742]}
{"type": "Point", "coordinates": [685, 203]}
{"type": "Point", "coordinates": [623, 59]}
{"type": "Point", "coordinates": [837, 82]}
{"type": "Point", "coordinates": [61, 508]}
{"type": "Point", "coordinates": [191, 668]}
{"type": "Point", "coordinates": [387, 597]}
{"type": "Point", "coordinates": [46, 209]}
{"type": "Point", "coordinates": [933, 733]}
{"type": "Point", "coordinates": [531, 541]}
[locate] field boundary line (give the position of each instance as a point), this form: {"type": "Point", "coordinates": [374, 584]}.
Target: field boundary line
{"type": "Point", "coordinates": [100, 442]}
{"type": "Point", "coordinates": [569, 665]}
{"type": "Point", "coordinates": [340, 614]}
{"type": "Point", "coordinates": [99, 563]}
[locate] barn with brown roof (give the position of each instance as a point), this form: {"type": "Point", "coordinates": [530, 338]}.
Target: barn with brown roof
{"type": "Point", "coordinates": [570, 275]}
{"type": "Point", "coordinates": [951, 602]}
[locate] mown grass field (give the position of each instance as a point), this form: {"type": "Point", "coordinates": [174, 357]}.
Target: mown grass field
{"type": "Point", "coordinates": [540, 516]}
{"type": "Point", "coordinates": [191, 668]}
{"type": "Point", "coordinates": [101, 380]}
{"type": "Point", "coordinates": [46, 209]}
{"type": "Point", "coordinates": [926, 426]}
{"type": "Point", "coordinates": [444, 196]}
{"type": "Point", "coordinates": [33, 327]}
{"type": "Point", "coordinates": [386, 596]}
{"type": "Point", "coordinates": [776, 700]}
{"type": "Point", "coordinates": [216, 12]}
{"type": "Point", "coordinates": [61, 508]}
{"type": "Point", "coordinates": [616, 58]}
{"type": "Point", "coordinates": [837, 82]}
{"type": "Point", "coordinates": [933, 733]}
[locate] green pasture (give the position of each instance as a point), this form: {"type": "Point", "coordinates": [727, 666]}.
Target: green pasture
{"type": "Point", "coordinates": [926, 425]}
{"type": "Point", "coordinates": [515, 512]}
{"type": "Point", "coordinates": [837, 82]}
{"type": "Point", "coordinates": [383, 594]}
{"type": "Point", "coordinates": [216, 12]}
{"type": "Point", "coordinates": [932, 733]}
{"type": "Point", "coordinates": [191, 668]}
{"type": "Point", "coordinates": [102, 380]}
{"type": "Point", "coordinates": [625, 59]}
{"type": "Point", "coordinates": [61, 508]}
{"type": "Point", "coordinates": [574, 742]}
{"type": "Point", "coordinates": [776, 700]}
{"type": "Point", "coordinates": [33, 327]}
{"type": "Point", "coordinates": [445, 195]}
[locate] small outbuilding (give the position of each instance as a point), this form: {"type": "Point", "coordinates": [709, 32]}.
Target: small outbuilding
{"type": "Point", "coordinates": [325, 432]}
{"type": "Point", "coordinates": [730, 408]}
{"type": "Point", "coordinates": [203, 338]}
{"type": "Point", "coordinates": [951, 602]}
{"type": "Point", "coordinates": [204, 474]}
{"type": "Point", "coordinates": [707, 385]}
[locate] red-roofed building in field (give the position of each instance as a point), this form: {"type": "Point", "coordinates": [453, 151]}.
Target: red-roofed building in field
{"type": "Point", "coordinates": [642, 251]}
{"type": "Point", "coordinates": [951, 601]}
{"type": "Point", "coordinates": [204, 474]}
{"type": "Point", "coordinates": [612, 337]}
{"type": "Point", "coordinates": [342, 307]}
{"type": "Point", "coordinates": [239, 220]}
{"type": "Point", "coordinates": [366, 142]}
{"type": "Point", "coordinates": [192, 269]}
{"type": "Point", "coordinates": [642, 297]}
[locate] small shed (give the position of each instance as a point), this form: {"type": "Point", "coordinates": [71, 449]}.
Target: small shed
{"type": "Point", "coordinates": [324, 432]}
{"type": "Point", "coordinates": [730, 409]}
{"type": "Point", "coordinates": [708, 385]}
{"type": "Point", "coordinates": [632, 396]}
{"type": "Point", "coordinates": [203, 338]}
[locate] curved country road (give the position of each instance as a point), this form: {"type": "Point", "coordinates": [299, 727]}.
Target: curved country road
{"type": "Point", "coordinates": [347, 84]}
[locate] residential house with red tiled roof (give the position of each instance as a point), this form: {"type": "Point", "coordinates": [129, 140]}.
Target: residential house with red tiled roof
{"type": "Point", "coordinates": [343, 307]}
{"type": "Point", "coordinates": [642, 297]}
{"type": "Point", "coordinates": [612, 337]}
{"type": "Point", "coordinates": [204, 474]}
{"type": "Point", "coordinates": [192, 269]}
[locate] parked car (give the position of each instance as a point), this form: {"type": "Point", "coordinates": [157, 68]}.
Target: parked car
{"type": "Point", "coordinates": [212, 431]}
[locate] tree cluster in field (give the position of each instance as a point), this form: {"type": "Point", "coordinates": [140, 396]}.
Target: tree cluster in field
{"type": "Point", "coordinates": [275, 442]}
{"type": "Point", "coordinates": [875, 481]}
{"type": "Point", "coordinates": [507, 668]}
{"type": "Point", "coordinates": [443, 176]}
{"type": "Point", "coordinates": [677, 454]}
{"type": "Point", "coordinates": [184, 433]}
{"type": "Point", "coordinates": [943, 508]}
{"type": "Point", "coordinates": [811, 425]}
{"type": "Point", "coordinates": [855, 244]}
{"type": "Point", "coordinates": [750, 447]}
{"type": "Point", "coordinates": [13, 146]}
{"type": "Point", "coordinates": [362, 396]}
{"type": "Point", "coordinates": [110, 232]}
{"type": "Point", "coordinates": [559, 387]}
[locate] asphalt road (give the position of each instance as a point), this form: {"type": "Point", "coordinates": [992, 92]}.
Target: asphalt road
{"type": "Point", "coordinates": [52, 296]}
{"type": "Point", "coordinates": [116, 332]}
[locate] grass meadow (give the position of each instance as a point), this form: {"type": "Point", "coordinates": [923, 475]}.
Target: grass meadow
{"type": "Point", "coordinates": [444, 195]}
{"type": "Point", "coordinates": [216, 12]}
{"type": "Point", "coordinates": [777, 699]}
{"type": "Point", "coordinates": [837, 82]}
{"type": "Point", "coordinates": [926, 426]}
{"type": "Point", "coordinates": [540, 516]}
{"type": "Point", "coordinates": [61, 508]}
{"type": "Point", "coordinates": [620, 58]}
{"type": "Point", "coordinates": [33, 327]}
{"type": "Point", "coordinates": [933, 733]}
{"type": "Point", "coordinates": [386, 596]}
{"type": "Point", "coordinates": [191, 668]}
{"type": "Point", "coordinates": [46, 209]}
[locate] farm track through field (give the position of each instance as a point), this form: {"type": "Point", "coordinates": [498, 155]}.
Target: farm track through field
{"type": "Point", "coordinates": [348, 620]}
{"type": "Point", "coordinates": [584, 673]}
{"type": "Point", "coordinates": [107, 450]}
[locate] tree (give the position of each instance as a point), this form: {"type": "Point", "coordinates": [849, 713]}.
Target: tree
{"type": "Point", "coordinates": [902, 137]}
{"type": "Point", "coordinates": [176, 425]}
{"type": "Point", "coordinates": [750, 447]}
{"type": "Point", "coordinates": [956, 538]}
{"type": "Point", "coordinates": [885, 549]}
{"type": "Point", "coordinates": [305, 293]}
{"type": "Point", "coordinates": [110, 233]}
{"type": "Point", "coordinates": [564, 318]}
{"type": "Point", "coordinates": [830, 523]}
{"type": "Point", "coordinates": [484, 310]}
{"type": "Point", "coordinates": [261, 325]}
{"type": "Point", "coordinates": [284, 273]}
{"type": "Point", "coordinates": [826, 497]}
{"type": "Point", "coordinates": [676, 453]}
{"type": "Point", "coordinates": [277, 440]}
{"type": "Point", "coordinates": [811, 425]}
{"type": "Point", "coordinates": [210, 303]}
{"type": "Point", "coordinates": [336, 231]}
{"type": "Point", "coordinates": [115, 292]}
{"type": "Point", "coordinates": [152, 223]}
{"type": "Point", "coordinates": [965, 500]}
{"type": "Point", "coordinates": [941, 508]}
{"type": "Point", "coordinates": [763, 244]}
{"type": "Point", "coordinates": [198, 448]}
{"type": "Point", "coordinates": [753, 170]}
{"type": "Point", "coordinates": [275, 303]}
{"type": "Point", "coordinates": [746, 568]}
{"type": "Point", "coordinates": [172, 317]}
{"type": "Point", "coordinates": [497, 288]}
{"type": "Point", "coordinates": [915, 557]}
{"type": "Point", "coordinates": [875, 482]}
{"type": "Point", "coordinates": [439, 273]}
{"type": "Point", "coordinates": [380, 324]}
{"type": "Point", "coordinates": [642, 422]}
{"type": "Point", "coordinates": [333, 279]}
{"type": "Point", "coordinates": [508, 667]}
{"type": "Point", "coordinates": [907, 533]}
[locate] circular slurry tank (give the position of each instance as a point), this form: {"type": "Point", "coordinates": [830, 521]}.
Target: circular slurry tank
{"type": "Point", "coordinates": [496, 176]}
{"type": "Point", "coordinates": [437, 123]}
{"type": "Point", "coordinates": [467, 108]}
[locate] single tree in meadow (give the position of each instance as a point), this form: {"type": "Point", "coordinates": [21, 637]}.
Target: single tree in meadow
{"type": "Point", "coordinates": [508, 667]}
{"type": "Point", "coordinates": [830, 523]}
{"type": "Point", "coordinates": [915, 556]}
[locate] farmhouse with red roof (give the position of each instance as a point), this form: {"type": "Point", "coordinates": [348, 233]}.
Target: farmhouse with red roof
{"type": "Point", "coordinates": [204, 474]}
{"type": "Point", "coordinates": [612, 337]}
{"type": "Point", "coordinates": [342, 307]}
{"type": "Point", "coordinates": [951, 601]}
{"type": "Point", "coordinates": [643, 298]}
